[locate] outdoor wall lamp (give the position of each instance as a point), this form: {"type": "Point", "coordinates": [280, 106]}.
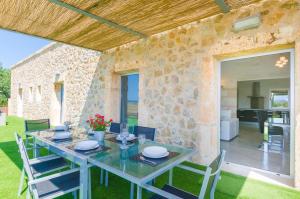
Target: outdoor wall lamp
{"type": "Point", "coordinates": [247, 23]}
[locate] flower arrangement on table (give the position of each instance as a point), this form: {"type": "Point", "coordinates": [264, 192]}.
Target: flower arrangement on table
{"type": "Point", "coordinates": [98, 123]}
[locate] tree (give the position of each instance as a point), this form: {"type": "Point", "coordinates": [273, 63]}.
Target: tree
{"type": "Point", "coordinates": [4, 85]}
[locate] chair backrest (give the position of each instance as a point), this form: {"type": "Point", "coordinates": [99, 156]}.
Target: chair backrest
{"type": "Point", "coordinates": [211, 177]}
{"type": "Point", "coordinates": [148, 132]}
{"type": "Point", "coordinates": [114, 127]}
{"type": "Point", "coordinates": [24, 156]}
{"type": "Point", "coordinates": [37, 125]}
{"type": "Point", "coordinates": [275, 130]}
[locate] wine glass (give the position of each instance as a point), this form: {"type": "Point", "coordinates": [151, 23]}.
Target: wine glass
{"type": "Point", "coordinates": [124, 133]}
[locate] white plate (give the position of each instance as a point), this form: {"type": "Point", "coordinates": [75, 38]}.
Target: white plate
{"type": "Point", "coordinates": [86, 145]}
{"type": "Point", "coordinates": [155, 151]}
{"type": "Point", "coordinates": [61, 135]}
{"type": "Point", "coordinates": [129, 138]}
{"type": "Point", "coordinates": [156, 157]}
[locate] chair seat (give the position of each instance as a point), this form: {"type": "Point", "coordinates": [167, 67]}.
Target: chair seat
{"type": "Point", "coordinates": [175, 191]}
{"type": "Point", "coordinates": [49, 165]}
{"type": "Point", "coordinates": [56, 185]}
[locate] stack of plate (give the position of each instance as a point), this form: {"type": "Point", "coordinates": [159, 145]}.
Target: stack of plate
{"type": "Point", "coordinates": [60, 128]}
{"type": "Point", "coordinates": [61, 135]}
{"type": "Point", "coordinates": [155, 152]}
{"type": "Point", "coordinates": [86, 145]}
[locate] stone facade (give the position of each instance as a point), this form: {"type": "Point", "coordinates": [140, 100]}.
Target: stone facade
{"type": "Point", "coordinates": [179, 75]}
{"type": "Point", "coordinates": [53, 65]}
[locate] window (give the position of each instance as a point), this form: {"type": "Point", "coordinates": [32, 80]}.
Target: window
{"type": "Point", "coordinates": [279, 99]}
{"type": "Point", "coordinates": [30, 94]}
{"type": "Point", "coordinates": [129, 99]}
{"type": "Point", "coordinates": [39, 94]}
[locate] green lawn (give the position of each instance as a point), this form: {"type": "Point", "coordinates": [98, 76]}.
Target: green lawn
{"type": "Point", "coordinates": [231, 186]}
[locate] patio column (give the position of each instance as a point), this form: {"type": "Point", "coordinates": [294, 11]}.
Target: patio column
{"type": "Point", "coordinates": [297, 113]}
{"type": "Point", "coordinates": [208, 138]}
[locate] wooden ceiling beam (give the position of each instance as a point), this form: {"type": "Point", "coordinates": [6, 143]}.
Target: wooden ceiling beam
{"type": "Point", "coordinates": [223, 5]}
{"type": "Point", "coordinates": [98, 18]}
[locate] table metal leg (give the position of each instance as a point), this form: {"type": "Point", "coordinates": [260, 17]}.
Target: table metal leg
{"type": "Point", "coordinates": [101, 176]}
{"type": "Point", "coordinates": [106, 178]}
{"type": "Point", "coordinates": [170, 176]}
{"type": "Point", "coordinates": [90, 182]}
{"type": "Point", "coordinates": [131, 190]}
{"type": "Point", "coordinates": [83, 180]}
{"type": "Point", "coordinates": [139, 192]}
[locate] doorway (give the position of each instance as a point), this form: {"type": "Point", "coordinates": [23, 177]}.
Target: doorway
{"type": "Point", "coordinates": [129, 99]}
{"type": "Point", "coordinates": [59, 110]}
{"type": "Point", "coordinates": [20, 103]}
{"type": "Point", "coordinates": [256, 116]}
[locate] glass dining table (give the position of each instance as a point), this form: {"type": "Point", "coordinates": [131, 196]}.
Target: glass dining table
{"type": "Point", "coordinates": [125, 162]}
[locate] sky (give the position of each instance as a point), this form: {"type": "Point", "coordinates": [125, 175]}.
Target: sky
{"type": "Point", "coordinates": [16, 46]}
{"type": "Point", "coordinates": [133, 87]}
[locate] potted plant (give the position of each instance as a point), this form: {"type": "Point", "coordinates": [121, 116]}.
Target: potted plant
{"type": "Point", "coordinates": [98, 125]}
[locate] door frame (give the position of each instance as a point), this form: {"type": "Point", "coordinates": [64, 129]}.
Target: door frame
{"type": "Point", "coordinates": [61, 102]}
{"type": "Point", "coordinates": [126, 74]}
{"type": "Point", "coordinates": [292, 98]}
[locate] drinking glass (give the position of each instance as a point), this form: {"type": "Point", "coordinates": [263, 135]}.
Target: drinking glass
{"type": "Point", "coordinates": [142, 138]}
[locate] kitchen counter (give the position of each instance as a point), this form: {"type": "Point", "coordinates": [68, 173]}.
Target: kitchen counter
{"type": "Point", "coordinates": [250, 115]}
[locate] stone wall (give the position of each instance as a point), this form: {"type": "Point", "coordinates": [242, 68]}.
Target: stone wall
{"type": "Point", "coordinates": [55, 64]}
{"type": "Point", "coordinates": [179, 85]}
{"type": "Point", "coordinates": [179, 74]}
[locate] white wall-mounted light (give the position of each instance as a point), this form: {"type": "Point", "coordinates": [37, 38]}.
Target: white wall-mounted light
{"type": "Point", "coordinates": [247, 23]}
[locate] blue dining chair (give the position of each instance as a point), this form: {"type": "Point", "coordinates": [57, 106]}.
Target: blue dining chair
{"type": "Point", "coordinates": [32, 126]}
{"type": "Point", "coordinates": [147, 131]}
{"type": "Point", "coordinates": [51, 186]}
{"type": "Point", "coordinates": [115, 127]}
{"type": "Point", "coordinates": [211, 177]}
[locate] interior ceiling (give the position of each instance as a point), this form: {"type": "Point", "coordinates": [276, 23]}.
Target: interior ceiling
{"type": "Point", "coordinates": [255, 68]}
{"type": "Point", "coordinates": [48, 20]}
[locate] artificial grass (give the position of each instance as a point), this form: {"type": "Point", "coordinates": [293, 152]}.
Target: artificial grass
{"type": "Point", "coordinates": [229, 187]}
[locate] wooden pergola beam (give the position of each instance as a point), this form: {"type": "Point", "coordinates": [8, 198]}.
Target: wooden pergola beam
{"type": "Point", "coordinates": [223, 5]}
{"type": "Point", "coordinates": [98, 18]}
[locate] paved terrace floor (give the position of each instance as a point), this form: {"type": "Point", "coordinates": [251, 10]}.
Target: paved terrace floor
{"type": "Point", "coordinates": [231, 186]}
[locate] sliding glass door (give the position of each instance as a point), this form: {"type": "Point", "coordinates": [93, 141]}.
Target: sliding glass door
{"type": "Point", "coordinates": [129, 99]}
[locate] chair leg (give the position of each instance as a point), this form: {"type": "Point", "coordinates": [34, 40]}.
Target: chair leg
{"type": "Point", "coordinates": [106, 178]}
{"type": "Point", "coordinates": [26, 141]}
{"type": "Point", "coordinates": [101, 176]}
{"type": "Point", "coordinates": [21, 182]}
{"type": "Point", "coordinates": [212, 195]}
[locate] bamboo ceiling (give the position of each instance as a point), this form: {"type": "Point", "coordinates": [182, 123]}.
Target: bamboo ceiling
{"type": "Point", "coordinates": [48, 20]}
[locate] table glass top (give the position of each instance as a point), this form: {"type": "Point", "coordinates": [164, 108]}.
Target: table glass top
{"type": "Point", "coordinates": [122, 161]}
